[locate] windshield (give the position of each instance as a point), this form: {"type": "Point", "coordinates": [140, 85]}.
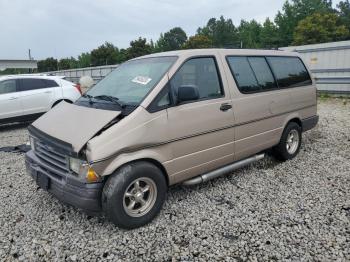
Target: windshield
{"type": "Point", "coordinates": [130, 82]}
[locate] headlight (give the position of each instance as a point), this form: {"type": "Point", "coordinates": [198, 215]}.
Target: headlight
{"type": "Point", "coordinates": [32, 143]}
{"type": "Point", "coordinates": [78, 166]}
{"type": "Point", "coordinates": [83, 170]}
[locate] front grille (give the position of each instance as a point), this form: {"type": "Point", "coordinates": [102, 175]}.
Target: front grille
{"type": "Point", "coordinates": [53, 161]}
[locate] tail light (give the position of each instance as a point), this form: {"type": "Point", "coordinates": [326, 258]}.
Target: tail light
{"type": "Point", "coordinates": [77, 86]}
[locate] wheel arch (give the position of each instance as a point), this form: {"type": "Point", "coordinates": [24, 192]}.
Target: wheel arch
{"type": "Point", "coordinates": [154, 162]}
{"type": "Point", "coordinates": [111, 166]}
{"type": "Point", "coordinates": [291, 118]}
{"type": "Point", "coordinates": [296, 120]}
{"type": "Point", "coordinates": [295, 117]}
{"type": "Point", "coordinates": [60, 100]}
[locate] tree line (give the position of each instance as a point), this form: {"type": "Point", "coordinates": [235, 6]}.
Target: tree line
{"type": "Point", "coordinates": [299, 22]}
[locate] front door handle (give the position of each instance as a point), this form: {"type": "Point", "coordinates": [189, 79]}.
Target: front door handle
{"type": "Point", "coordinates": [13, 98]}
{"type": "Point", "coordinates": [48, 92]}
{"type": "Point", "coordinates": [225, 107]}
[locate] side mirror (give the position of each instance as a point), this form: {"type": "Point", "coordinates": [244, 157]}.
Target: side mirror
{"type": "Point", "coordinates": [187, 93]}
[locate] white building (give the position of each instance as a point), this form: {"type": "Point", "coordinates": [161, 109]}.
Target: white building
{"type": "Point", "coordinates": [26, 64]}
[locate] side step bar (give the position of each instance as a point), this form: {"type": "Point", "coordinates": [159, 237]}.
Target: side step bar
{"type": "Point", "coordinates": [222, 171]}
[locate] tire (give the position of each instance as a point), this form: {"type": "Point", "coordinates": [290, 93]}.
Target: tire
{"type": "Point", "coordinates": [128, 205]}
{"type": "Point", "coordinates": [289, 145]}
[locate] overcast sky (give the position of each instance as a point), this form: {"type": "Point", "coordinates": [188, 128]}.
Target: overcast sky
{"type": "Point", "coordinates": [62, 28]}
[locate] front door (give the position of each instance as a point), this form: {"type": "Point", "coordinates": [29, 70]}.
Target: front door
{"type": "Point", "coordinates": [200, 131]}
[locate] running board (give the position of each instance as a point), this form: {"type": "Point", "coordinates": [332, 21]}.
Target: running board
{"type": "Point", "coordinates": [222, 171]}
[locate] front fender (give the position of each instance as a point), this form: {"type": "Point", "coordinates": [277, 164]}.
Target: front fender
{"type": "Point", "coordinates": [108, 166]}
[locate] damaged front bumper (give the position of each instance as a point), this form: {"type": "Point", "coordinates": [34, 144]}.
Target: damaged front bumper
{"type": "Point", "coordinates": [63, 185]}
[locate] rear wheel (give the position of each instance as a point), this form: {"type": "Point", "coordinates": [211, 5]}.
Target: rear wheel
{"type": "Point", "coordinates": [289, 145]}
{"type": "Point", "coordinates": [134, 195]}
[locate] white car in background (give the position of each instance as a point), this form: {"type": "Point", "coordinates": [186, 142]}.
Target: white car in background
{"type": "Point", "coordinates": [26, 97]}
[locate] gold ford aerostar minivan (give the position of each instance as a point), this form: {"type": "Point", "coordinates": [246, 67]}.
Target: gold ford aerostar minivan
{"type": "Point", "coordinates": [162, 119]}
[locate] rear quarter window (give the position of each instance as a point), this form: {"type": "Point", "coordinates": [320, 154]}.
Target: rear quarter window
{"type": "Point", "coordinates": [50, 83]}
{"type": "Point", "coordinates": [289, 71]}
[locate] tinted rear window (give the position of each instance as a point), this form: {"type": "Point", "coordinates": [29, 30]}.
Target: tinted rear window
{"type": "Point", "coordinates": [243, 74]}
{"type": "Point", "coordinates": [50, 83]}
{"type": "Point", "coordinates": [252, 74]}
{"type": "Point", "coordinates": [32, 84]}
{"type": "Point", "coordinates": [289, 71]}
{"type": "Point", "coordinates": [262, 73]}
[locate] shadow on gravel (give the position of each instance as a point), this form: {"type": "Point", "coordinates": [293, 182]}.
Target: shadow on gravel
{"type": "Point", "coordinates": [14, 126]}
{"type": "Point", "coordinates": [15, 149]}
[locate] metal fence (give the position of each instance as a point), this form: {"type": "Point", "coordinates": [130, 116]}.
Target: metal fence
{"type": "Point", "coordinates": [97, 73]}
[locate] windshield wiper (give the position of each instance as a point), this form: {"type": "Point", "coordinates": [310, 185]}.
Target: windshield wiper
{"type": "Point", "coordinates": [110, 99]}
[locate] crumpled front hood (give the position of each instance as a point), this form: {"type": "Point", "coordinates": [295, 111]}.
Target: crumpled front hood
{"type": "Point", "coordinates": [74, 124]}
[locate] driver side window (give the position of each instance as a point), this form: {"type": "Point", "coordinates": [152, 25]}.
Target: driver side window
{"type": "Point", "coordinates": [201, 72]}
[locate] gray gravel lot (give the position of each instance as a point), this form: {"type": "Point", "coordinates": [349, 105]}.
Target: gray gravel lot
{"type": "Point", "coordinates": [293, 211]}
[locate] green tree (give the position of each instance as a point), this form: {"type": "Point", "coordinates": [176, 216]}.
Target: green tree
{"type": "Point", "coordinates": [106, 54]}
{"type": "Point", "coordinates": [344, 13]}
{"type": "Point", "coordinates": [67, 63]}
{"type": "Point", "coordinates": [64, 63]}
{"type": "Point", "coordinates": [320, 28]}
{"type": "Point", "coordinates": [249, 34]}
{"type": "Point", "coordinates": [123, 55]}
{"type": "Point", "coordinates": [49, 64]}
{"type": "Point", "coordinates": [269, 37]}
{"type": "Point", "coordinates": [15, 71]}
{"type": "Point", "coordinates": [171, 40]}
{"type": "Point", "coordinates": [84, 60]}
{"type": "Point", "coordinates": [221, 32]}
{"type": "Point", "coordinates": [197, 42]}
{"type": "Point", "coordinates": [296, 10]}
{"type": "Point", "coordinates": [138, 48]}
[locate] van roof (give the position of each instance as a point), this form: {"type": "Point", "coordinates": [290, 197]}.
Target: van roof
{"type": "Point", "coordinates": [223, 51]}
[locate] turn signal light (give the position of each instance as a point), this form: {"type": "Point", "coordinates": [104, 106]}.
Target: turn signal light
{"type": "Point", "coordinates": [91, 176]}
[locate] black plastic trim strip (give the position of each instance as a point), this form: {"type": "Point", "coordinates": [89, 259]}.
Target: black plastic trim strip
{"type": "Point", "coordinates": [309, 123]}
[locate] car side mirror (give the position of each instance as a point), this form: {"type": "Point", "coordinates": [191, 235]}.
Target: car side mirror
{"type": "Point", "coordinates": [187, 93]}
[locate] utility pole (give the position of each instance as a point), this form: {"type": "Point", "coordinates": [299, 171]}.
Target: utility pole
{"type": "Point", "coordinates": [30, 58]}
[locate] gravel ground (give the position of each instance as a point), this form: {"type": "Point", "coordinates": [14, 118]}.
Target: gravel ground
{"type": "Point", "coordinates": [292, 211]}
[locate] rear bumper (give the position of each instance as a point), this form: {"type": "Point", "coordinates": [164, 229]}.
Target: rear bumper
{"type": "Point", "coordinates": [309, 123]}
{"type": "Point", "coordinates": [67, 189]}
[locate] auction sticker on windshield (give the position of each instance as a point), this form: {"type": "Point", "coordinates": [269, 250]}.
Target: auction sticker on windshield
{"type": "Point", "coordinates": [142, 80]}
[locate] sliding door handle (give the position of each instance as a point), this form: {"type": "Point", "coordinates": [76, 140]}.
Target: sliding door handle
{"type": "Point", "coordinates": [225, 107]}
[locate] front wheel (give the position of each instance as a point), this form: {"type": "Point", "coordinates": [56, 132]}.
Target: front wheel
{"type": "Point", "coordinates": [289, 145]}
{"type": "Point", "coordinates": [134, 195]}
